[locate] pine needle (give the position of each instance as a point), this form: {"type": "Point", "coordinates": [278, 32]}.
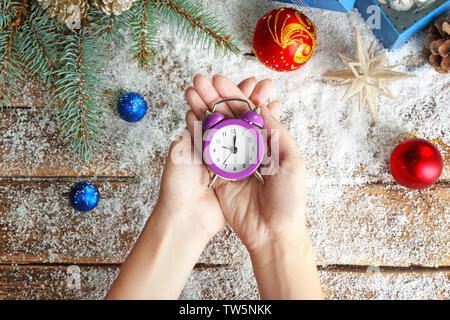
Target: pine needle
{"type": "Point", "coordinates": [81, 90]}
{"type": "Point", "coordinates": [38, 44]}
{"type": "Point", "coordinates": [143, 24]}
{"type": "Point", "coordinates": [72, 63]}
{"type": "Point", "coordinates": [7, 13]}
{"type": "Point", "coordinates": [197, 25]}
{"type": "Point", "coordinates": [10, 68]}
{"type": "Point", "coordinates": [107, 26]}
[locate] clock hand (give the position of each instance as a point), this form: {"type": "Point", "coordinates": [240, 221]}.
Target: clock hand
{"type": "Point", "coordinates": [227, 157]}
{"type": "Point", "coordinates": [234, 144]}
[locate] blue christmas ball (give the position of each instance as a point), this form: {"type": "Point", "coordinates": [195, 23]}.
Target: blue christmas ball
{"type": "Point", "coordinates": [84, 196]}
{"type": "Point", "coordinates": [132, 107]}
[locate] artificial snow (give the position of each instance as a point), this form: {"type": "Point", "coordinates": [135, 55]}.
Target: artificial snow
{"type": "Point", "coordinates": [341, 146]}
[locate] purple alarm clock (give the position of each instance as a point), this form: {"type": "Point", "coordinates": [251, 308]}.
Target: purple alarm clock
{"type": "Point", "coordinates": [233, 148]}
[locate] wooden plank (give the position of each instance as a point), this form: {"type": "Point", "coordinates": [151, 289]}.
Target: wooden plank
{"type": "Point", "coordinates": [31, 146]}
{"type": "Point", "coordinates": [445, 152]}
{"type": "Point", "coordinates": [37, 225]}
{"type": "Point", "coordinates": [387, 177]}
{"type": "Point", "coordinates": [372, 284]}
{"type": "Point", "coordinates": [237, 282]}
{"type": "Point", "coordinates": [382, 224]}
{"type": "Point", "coordinates": [375, 225]}
{"type": "Point", "coordinates": [32, 94]}
{"type": "Point", "coordinates": [56, 282]}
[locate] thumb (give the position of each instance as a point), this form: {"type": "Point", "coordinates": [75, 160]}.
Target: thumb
{"type": "Point", "coordinates": [286, 145]}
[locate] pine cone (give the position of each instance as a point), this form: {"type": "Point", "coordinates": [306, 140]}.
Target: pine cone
{"type": "Point", "coordinates": [115, 7]}
{"type": "Point", "coordinates": [69, 12]}
{"type": "Point", "coordinates": [437, 45]}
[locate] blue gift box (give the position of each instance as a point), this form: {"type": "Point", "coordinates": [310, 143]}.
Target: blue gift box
{"type": "Point", "coordinates": [336, 5]}
{"type": "Point", "coordinates": [396, 27]}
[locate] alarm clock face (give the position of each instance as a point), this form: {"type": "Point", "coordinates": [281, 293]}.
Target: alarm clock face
{"type": "Point", "coordinates": [233, 149]}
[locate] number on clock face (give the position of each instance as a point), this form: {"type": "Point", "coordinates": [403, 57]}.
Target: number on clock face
{"type": "Point", "coordinates": [234, 148]}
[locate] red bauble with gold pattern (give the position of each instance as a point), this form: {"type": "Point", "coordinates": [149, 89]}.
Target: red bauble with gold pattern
{"type": "Point", "coordinates": [284, 39]}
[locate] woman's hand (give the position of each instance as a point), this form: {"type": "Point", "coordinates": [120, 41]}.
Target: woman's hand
{"type": "Point", "coordinates": [186, 216]}
{"type": "Point", "coordinates": [269, 218]}
{"type": "Point", "coordinates": [184, 183]}
{"type": "Point", "coordinates": [259, 213]}
{"type": "Point", "coordinates": [184, 188]}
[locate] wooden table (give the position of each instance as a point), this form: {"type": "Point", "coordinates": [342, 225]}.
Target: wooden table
{"type": "Point", "coordinates": [43, 242]}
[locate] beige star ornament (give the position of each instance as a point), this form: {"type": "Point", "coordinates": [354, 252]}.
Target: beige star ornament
{"type": "Point", "coordinates": [366, 76]}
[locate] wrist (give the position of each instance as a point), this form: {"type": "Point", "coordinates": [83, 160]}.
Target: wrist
{"type": "Point", "coordinates": [179, 222]}
{"type": "Point", "coordinates": [162, 258]}
{"type": "Point", "coordinates": [297, 244]}
{"type": "Point", "coordinates": [286, 269]}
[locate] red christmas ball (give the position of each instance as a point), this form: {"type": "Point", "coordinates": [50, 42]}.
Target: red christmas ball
{"type": "Point", "coordinates": [284, 39]}
{"type": "Point", "coordinates": [416, 163]}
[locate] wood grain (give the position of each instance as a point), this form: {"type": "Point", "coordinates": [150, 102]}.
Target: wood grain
{"type": "Point", "coordinates": [37, 225]}
{"type": "Point", "coordinates": [370, 284]}
{"type": "Point", "coordinates": [377, 225]}
{"type": "Point", "coordinates": [382, 224]}
{"type": "Point", "coordinates": [444, 149]}
{"type": "Point", "coordinates": [236, 282]}
{"type": "Point", "coordinates": [31, 146]}
{"type": "Point", "coordinates": [31, 95]}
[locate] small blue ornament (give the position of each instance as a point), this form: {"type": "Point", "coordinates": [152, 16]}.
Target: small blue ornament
{"type": "Point", "coordinates": [84, 196]}
{"type": "Point", "coordinates": [132, 107]}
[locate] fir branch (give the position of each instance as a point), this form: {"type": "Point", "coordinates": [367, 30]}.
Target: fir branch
{"type": "Point", "coordinates": [143, 26]}
{"type": "Point", "coordinates": [20, 9]}
{"type": "Point", "coordinates": [106, 26]}
{"type": "Point", "coordinates": [10, 67]}
{"type": "Point", "coordinates": [81, 90]}
{"type": "Point", "coordinates": [38, 43]}
{"type": "Point", "coordinates": [7, 13]}
{"type": "Point", "coordinates": [197, 25]}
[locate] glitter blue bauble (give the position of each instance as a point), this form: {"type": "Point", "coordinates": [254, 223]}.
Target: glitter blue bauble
{"type": "Point", "coordinates": [84, 196]}
{"type": "Point", "coordinates": [132, 107]}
